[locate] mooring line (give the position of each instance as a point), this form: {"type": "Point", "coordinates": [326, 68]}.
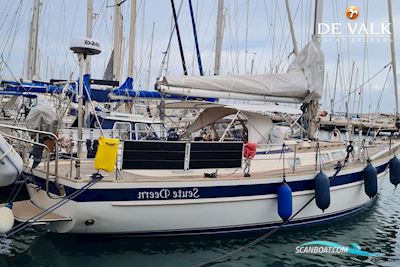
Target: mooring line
{"type": "Point", "coordinates": [55, 206]}
{"type": "Point", "coordinates": [263, 237]}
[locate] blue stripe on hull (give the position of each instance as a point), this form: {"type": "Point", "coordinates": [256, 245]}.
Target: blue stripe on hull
{"type": "Point", "coordinates": [124, 194]}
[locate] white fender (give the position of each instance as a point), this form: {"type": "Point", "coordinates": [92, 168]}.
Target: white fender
{"type": "Point", "coordinates": [11, 163]}
{"type": "Point", "coordinates": [6, 219]}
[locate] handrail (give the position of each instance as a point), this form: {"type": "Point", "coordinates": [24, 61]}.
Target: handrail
{"type": "Point", "coordinates": [52, 135]}
{"type": "Point", "coordinates": [28, 130]}
{"type": "Point", "coordinates": [47, 163]}
{"type": "Point", "coordinates": [38, 132]}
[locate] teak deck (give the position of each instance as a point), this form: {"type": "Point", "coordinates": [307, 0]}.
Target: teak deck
{"type": "Point", "coordinates": [26, 210]}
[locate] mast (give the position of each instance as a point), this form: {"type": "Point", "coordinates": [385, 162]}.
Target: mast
{"type": "Point", "coordinates": [294, 42]}
{"type": "Point", "coordinates": [334, 88]}
{"type": "Point", "coordinates": [141, 83]}
{"type": "Point", "coordinates": [132, 39]}
{"type": "Point", "coordinates": [394, 68]}
{"type": "Point", "coordinates": [179, 38]}
{"type": "Point", "coordinates": [317, 18]}
{"type": "Point", "coordinates": [195, 39]}
{"type": "Point", "coordinates": [349, 94]}
{"type": "Point", "coordinates": [355, 95]}
{"type": "Point", "coordinates": [117, 40]}
{"type": "Point", "coordinates": [87, 62]}
{"type": "Point", "coordinates": [313, 106]}
{"type": "Point", "coordinates": [247, 34]}
{"type": "Point", "coordinates": [89, 29]}
{"type": "Point", "coordinates": [219, 37]}
{"type": "Point", "coordinates": [28, 58]}
{"type": "Point", "coordinates": [33, 38]}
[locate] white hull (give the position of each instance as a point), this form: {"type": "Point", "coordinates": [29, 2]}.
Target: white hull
{"type": "Point", "coordinates": [201, 215]}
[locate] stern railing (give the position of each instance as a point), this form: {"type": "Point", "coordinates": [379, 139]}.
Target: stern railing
{"type": "Point", "coordinates": [30, 136]}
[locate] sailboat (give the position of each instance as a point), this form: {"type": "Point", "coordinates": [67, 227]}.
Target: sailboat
{"type": "Point", "coordinates": [199, 187]}
{"type": "Point", "coordinates": [190, 185]}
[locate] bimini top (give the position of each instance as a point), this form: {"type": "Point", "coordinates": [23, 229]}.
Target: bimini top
{"type": "Point", "coordinates": [302, 82]}
{"type": "Point", "coordinates": [259, 129]}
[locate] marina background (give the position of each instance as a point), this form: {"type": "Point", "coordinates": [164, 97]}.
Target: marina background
{"type": "Point", "coordinates": [264, 38]}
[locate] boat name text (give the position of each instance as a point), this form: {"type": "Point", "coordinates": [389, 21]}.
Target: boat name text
{"type": "Point", "coordinates": [169, 193]}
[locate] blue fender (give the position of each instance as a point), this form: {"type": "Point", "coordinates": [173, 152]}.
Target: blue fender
{"type": "Point", "coordinates": [285, 201]}
{"type": "Point", "coordinates": [394, 171]}
{"type": "Point", "coordinates": [322, 191]}
{"type": "Point", "coordinates": [370, 177]}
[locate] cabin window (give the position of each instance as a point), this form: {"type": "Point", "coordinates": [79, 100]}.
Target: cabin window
{"type": "Point", "coordinates": [141, 130]}
{"type": "Point", "coordinates": [122, 130]}
{"type": "Point", "coordinates": [146, 131]}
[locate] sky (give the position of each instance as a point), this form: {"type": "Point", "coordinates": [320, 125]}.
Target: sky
{"type": "Point", "coordinates": [256, 40]}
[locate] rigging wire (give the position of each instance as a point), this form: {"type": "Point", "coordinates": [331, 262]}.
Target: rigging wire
{"type": "Point", "coordinates": [339, 49]}
{"type": "Point", "coordinates": [9, 69]}
{"type": "Point", "coordinates": [380, 98]}
{"type": "Point", "coordinates": [365, 55]}
{"type": "Point", "coordinates": [231, 44]}
{"type": "Point", "coordinates": [18, 24]}
{"type": "Point", "coordinates": [96, 18]}
{"type": "Point", "coordinates": [371, 78]}
{"type": "Point", "coordinates": [383, 89]}
{"type": "Point", "coordinates": [236, 3]}
{"type": "Point", "coordinates": [117, 4]}
{"type": "Point", "coordinates": [7, 13]}
{"type": "Point", "coordinates": [10, 28]}
{"type": "Point", "coordinates": [169, 42]}
{"type": "Point", "coordinates": [208, 62]}
{"type": "Point", "coordinates": [282, 59]}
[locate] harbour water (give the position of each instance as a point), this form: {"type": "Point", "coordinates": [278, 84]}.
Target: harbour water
{"type": "Point", "coordinates": [375, 230]}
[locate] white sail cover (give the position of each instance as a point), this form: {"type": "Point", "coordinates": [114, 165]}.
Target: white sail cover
{"type": "Point", "coordinates": [302, 82]}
